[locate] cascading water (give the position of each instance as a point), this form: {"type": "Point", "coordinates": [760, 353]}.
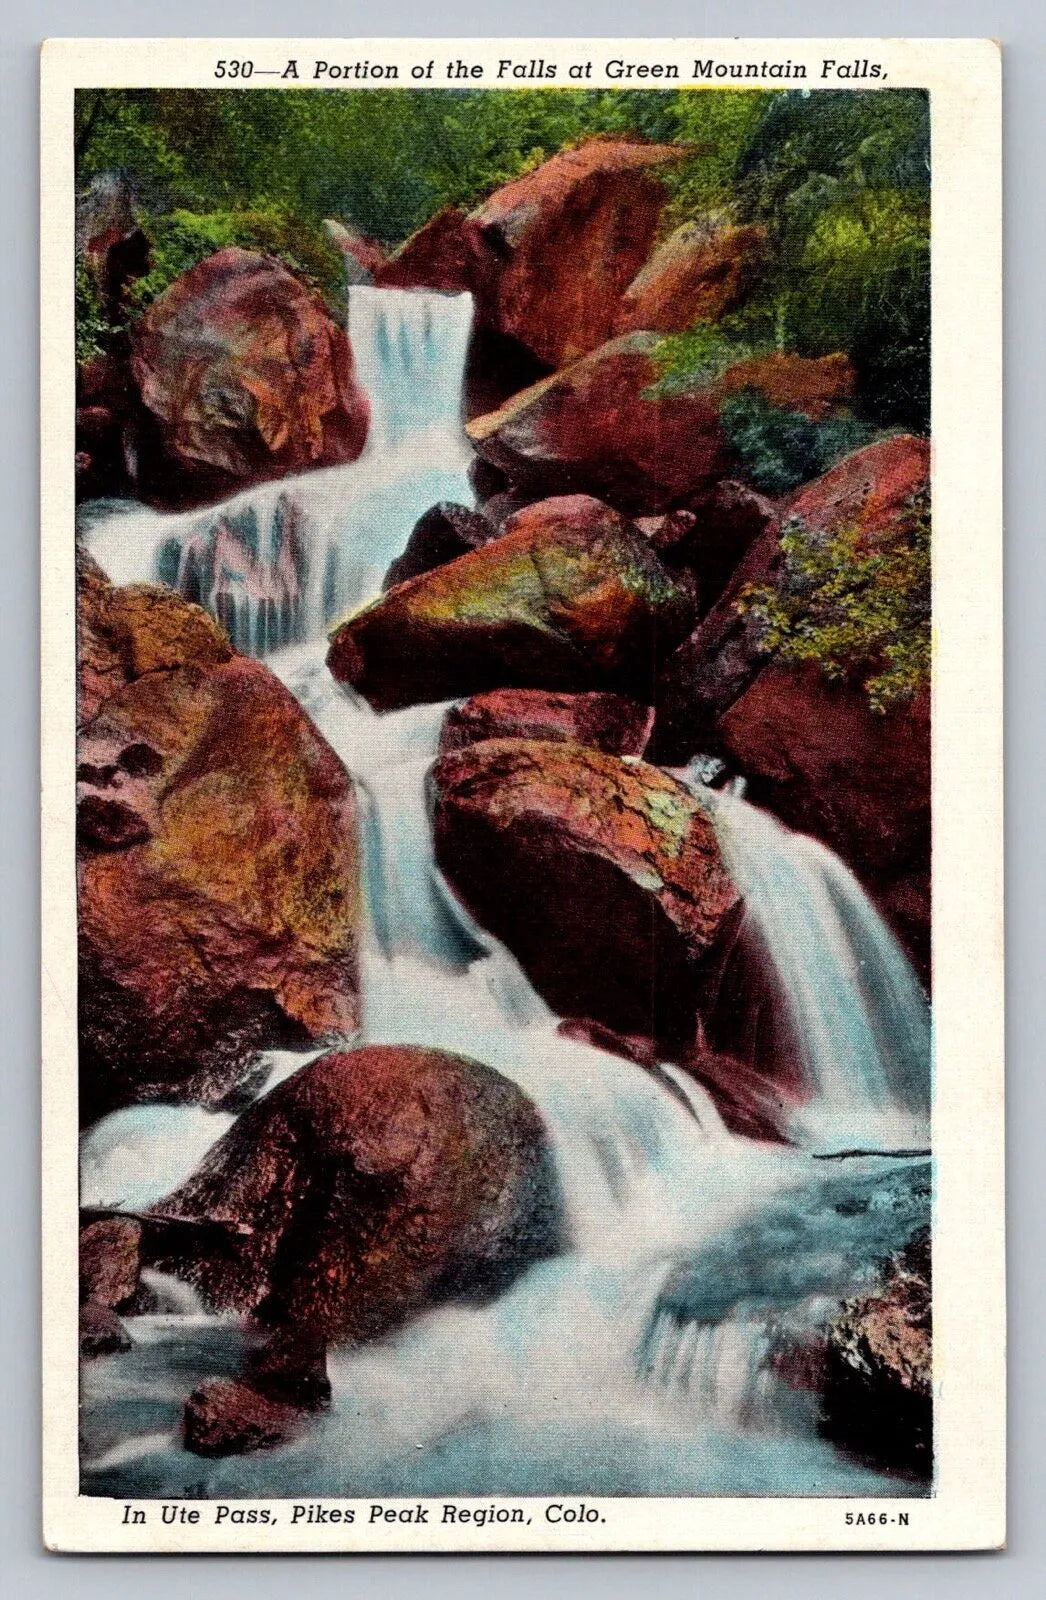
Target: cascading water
{"type": "Point", "coordinates": [640, 1361]}
{"type": "Point", "coordinates": [857, 1011]}
{"type": "Point", "coordinates": [276, 563]}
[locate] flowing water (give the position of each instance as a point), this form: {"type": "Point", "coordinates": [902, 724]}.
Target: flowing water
{"type": "Point", "coordinates": [642, 1360]}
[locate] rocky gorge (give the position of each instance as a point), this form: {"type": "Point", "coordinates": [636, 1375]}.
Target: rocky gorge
{"type": "Point", "coordinates": [478, 901]}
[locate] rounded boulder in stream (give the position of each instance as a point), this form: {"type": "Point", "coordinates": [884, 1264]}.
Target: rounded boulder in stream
{"type": "Point", "coordinates": [366, 1188]}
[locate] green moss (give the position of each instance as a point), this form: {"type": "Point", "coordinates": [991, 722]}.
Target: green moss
{"type": "Point", "coordinates": [856, 606]}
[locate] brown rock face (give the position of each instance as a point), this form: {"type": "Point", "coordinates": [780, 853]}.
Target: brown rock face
{"type": "Point", "coordinates": [101, 1332]}
{"type": "Point", "coordinates": [125, 632]}
{"type": "Point", "coordinates": [218, 876]}
{"type": "Point", "coordinates": [603, 877]}
{"type": "Point", "coordinates": [570, 597]}
{"type": "Point", "coordinates": [367, 1187]}
{"type": "Point", "coordinates": [605, 721]}
{"type": "Point", "coordinates": [698, 274]}
{"type": "Point", "coordinates": [247, 378]}
{"type": "Point", "coordinates": [571, 235]}
{"type": "Point", "coordinates": [816, 754]}
{"type": "Point", "coordinates": [110, 1261]}
{"type": "Point", "coordinates": [440, 255]}
{"type": "Point", "coordinates": [224, 1417]}
{"type": "Point", "coordinates": [443, 533]}
{"type": "Point", "coordinates": [878, 1389]}
{"type": "Point", "coordinates": [870, 488]}
{"type": "Point", "coordinates": [548, 255]}
{"type": "Point", "coordinates": [598, 427]}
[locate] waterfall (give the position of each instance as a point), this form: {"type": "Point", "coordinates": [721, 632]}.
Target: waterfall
{"type": "Point", "coordinates": [857, 1011]}
{"type": "Point", "coordinates": [641, 1360]}
{"type": "Point", "coordinates": [277, 563]}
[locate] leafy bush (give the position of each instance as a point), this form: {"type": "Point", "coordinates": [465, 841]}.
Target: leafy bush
{"type": "Point", "coordinates": [91, 322]}
{"type": "Point", "coordinates": [182, 239]}
{"type": "Point", "coordinates": [781, 449]}
{"type": "Point", "coordinates": [856, 605]}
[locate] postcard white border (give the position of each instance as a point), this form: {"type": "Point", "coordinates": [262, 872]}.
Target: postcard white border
{"type": "Point", "coordinates": [967, 1509]}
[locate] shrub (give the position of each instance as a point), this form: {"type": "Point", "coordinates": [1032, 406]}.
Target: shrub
{"type": "Point", "coordinates": [781, 449]}
{"type": "Point", "coordinates": [856, 605]}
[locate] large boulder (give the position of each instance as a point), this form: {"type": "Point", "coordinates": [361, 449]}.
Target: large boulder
{"type": "Point", "coordinates": [602, 875]}
{"type": "Point", "coordinates": [217, 873]}
{"type": "Point", "coordinates": [607, 722]}
{"type": "Point", "coordinates": [698, 274]}
{"type": "Point", "coordinates": [602, 426]}
{"type": "Point", "coordinates": [548, 255]}
{"type": "Point", "coordinates": [246, 377]}
{"type": "Point", "coordinates": [367, 1187]}
{"type": "Point", "coordinates": [872, 489]}
{"type": "Point", "coordinates": [569, 237]}
{"type": "Point", "coordinates": [570, 597]}
{"type": "Point", "coordinates": [816, 754]}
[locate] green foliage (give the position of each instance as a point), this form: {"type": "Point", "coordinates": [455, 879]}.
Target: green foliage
{"type": "Point", "coordinates": [704, 352]}
{"type": "Point", "coordinates": [854, 604]}
{"type": "Point", "coordinates": [841, 181]}
{"type": "Point", "coordinates": [91, 323]}
{"type": "Point", "coordinates": [781, 449]}
{"type": "Point", "coordinates": [181, 239]}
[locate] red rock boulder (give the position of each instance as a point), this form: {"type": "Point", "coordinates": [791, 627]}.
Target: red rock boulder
{"type": "Point", "coordinates": [548, 255]}
{"type": "Point", "coordinates": [246, 377]}
{"type": "Point", "coordinates": [601, 427]}
{"type": "Point", "coordinates": [444, 532]}
{"type": "Point", "coordinates": [570, 597]}
{"type": "Point", "coordinates": [870, 489]}
{"type": "Point", "coordinates": [601, 875]}
{"type": "Point", "coordinates": [607, 722]}
{"type": "Point", "coordinates": [367, 1187]}
{"type": "Point", "coordinates": [218, 874]}
{"type": "Point", "coordinates": [698, 274]}
{"type": "Point", "coordinates": [570, 236]}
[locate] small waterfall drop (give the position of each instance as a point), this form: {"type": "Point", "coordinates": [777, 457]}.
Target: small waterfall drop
{"type": "Point", "coordinates": [857, 1010]}
{"type": "Point", "coordinates": [278, 563]}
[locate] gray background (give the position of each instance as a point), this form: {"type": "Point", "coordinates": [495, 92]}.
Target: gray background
{"type": "Point", "coordinates": [27, 1571]}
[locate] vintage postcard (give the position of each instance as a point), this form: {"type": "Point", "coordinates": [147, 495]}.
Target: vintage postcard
{"type": "Point", "coordinates": [522, 802]}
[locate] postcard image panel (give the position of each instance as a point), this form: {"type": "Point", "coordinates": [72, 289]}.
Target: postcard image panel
{"type": "Point", "coordinates": [522, 1004]}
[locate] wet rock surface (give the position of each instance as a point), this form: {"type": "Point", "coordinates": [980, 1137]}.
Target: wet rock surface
{"type": "Point", "coordinates": [246, 377]}
{"type": "Point", "coordinates": [570, 597]}
{"type": "Point", "coordinates": [217, 875]}
{"type": "Point", "coordinates": [608, 722]}
{"type": "Point", "coordinates": [101, 1332]}
{"type": "Point", "coordinates": [224, 1417]}
{"type": "Point", "coordinates": [877, 1399]}
{"type": "Point", "coordinates": [369, 1186]}
{"type": "Point", "coordinates": [819, 757]}
{"type": "Point", "coordinates": [602, 876]}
